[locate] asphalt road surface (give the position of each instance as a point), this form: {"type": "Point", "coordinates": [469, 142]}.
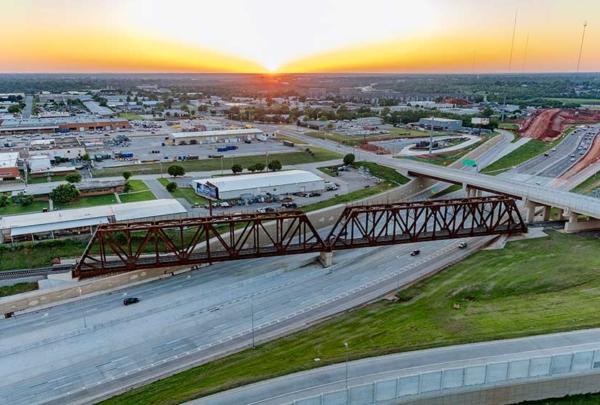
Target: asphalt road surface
{"type": "Point", "coordinates": [85, 349]}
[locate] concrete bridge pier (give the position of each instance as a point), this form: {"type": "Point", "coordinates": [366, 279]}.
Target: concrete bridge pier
{"type": "Point", "coordinates": [326, 259]}
{"type": "Point", "coordinates": [574, 224]}
{"type": "Point", "coordinates": [529, 208]}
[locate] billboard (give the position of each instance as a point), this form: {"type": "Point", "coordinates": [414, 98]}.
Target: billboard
{"type": "Point", "coordinates": [480, 121]}
{"type": "Point", "coordinates": [207, 190]}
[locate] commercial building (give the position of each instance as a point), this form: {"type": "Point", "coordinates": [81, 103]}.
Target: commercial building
{"type": "Point", "coordinates": [9, 169]}
{"type": "Point", "coordinates": [250, 185]}
{"type": "Point", "coordinates": [444, 124]}
{"type": "Point", "coordinates": [61, 125]}
{"type": "Point", "coordinates": [67, 147]}
{"type": "Point", "coordinates": [216, 136]}
{"type": "Point", "coordinates": [81, 221]}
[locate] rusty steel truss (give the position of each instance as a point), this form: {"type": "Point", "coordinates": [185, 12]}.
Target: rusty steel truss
{"type": "Point", "coordinates": [123, 247]}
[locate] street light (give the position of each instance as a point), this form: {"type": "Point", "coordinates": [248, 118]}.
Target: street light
{"type": "Point", "coordinates": [346, 346]}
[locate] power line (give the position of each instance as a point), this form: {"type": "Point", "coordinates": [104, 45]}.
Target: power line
{"type": "Point", "coordinates": [512, 44]}
{"type": "Point", "coordinates": [581, 46]}
{"type": "Point", "coordinates": [525, 52]}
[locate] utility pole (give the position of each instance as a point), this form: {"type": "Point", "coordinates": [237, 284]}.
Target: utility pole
{"type": "Point", "coordinates": [581, 46]}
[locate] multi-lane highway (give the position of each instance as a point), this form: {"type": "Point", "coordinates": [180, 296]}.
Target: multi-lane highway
{"type": "Point", "coordinates": [95, 346]}
{"type": "Point", "coordinates": [563, 156]}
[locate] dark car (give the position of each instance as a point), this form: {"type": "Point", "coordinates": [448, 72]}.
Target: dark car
{"type": "Point", "coordinates": [131, 300]}
{"type": "Point", "coordinates": [289, 205]}
{"type": "Point", "coordinates": [314, 194]}
{"type": "Point", "coordinates": [462, 245]}
{"type": "Point", "coordinates": [415, 252]}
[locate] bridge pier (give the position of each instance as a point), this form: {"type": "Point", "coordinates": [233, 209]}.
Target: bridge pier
{"type": "Point", "coordinates": [546, 213]}
{"type": "Point", "coordinates": [575, 225]}
{"type": "Point", "coordinates": [326, 259]}
{"type": "Point", "coordinates": [529, 211]}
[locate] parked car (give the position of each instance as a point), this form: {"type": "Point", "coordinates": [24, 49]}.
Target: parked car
{"type": "Point", "coordinates": [289, 205]}
{"type": "Point", "coordinates": [462, 245]}
{"type": "Point", "coordinates": [131, 300]}
{"type": "Point", "coordinates": [287, 199]}
{"type": "Point", "coordinates": [314, 194]}
{"type": "Point", "coordinates": [415, 252]}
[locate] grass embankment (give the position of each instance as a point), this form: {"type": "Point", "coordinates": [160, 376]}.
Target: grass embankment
{"type": "Point", "coordinates": [18, 288]}
{"type": "Point", "coordinates": [446, 159]}
{"type": "Point", "coordinates": [139, 191]}
{"type": "Point", "coordinates": [391, 178]}
{"type": "Point", "coordinates": [186, 193]}
{"type": "Point", "coordinates": [530, 287]}
{"type": "Point", "coordinates": [27, 255]}
{"type": "Point", "coordinates": [522, 154]}
{"type": "Point", "coordinates": [91, 201]}
{"type": "Point", "coordinates": [291, 158]}
{"type": "Point", "coordinates": [584, 399]}
{"type": "Point", "coordinates": [588, 186]}
{"type": "Point", "coordinates": [448, 190]}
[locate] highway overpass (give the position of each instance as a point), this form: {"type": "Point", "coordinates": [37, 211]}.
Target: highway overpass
{"type": "Point", "coordinates": [573, 206]}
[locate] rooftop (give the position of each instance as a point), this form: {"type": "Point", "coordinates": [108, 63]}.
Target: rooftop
{"type": "Point", "coordinates": [270, 179]}
{"type": "Point", "coordinates": [8, 159]}
{"type": "Point", "coordinates": [218, 132]}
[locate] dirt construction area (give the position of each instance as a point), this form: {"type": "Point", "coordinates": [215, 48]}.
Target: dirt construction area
{"type": "Point", "coordinates": [548, 124]}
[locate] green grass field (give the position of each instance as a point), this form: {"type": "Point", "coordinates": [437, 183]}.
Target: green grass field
{"type": "Point", "coordinates": [130, 116]}
{"type": "Point", "coordinates": [14, 209]}
{"type": "Point", "coordinates": [186, 193]}
{"type": "Point", "coordinates": [139, 192]}
{"type": "Point", "coordinates": [18, 288]}
{"type": "Point", "coordinates": [574, 100]}
{"type": "Point", "coordinates": [586, 399]}
{"type": "Point", "coordinates": [445, 159]}
{"type": "Point", "coordinates": [91, 201]}
{"type": "Point", "coordinates": [588, 186]}
{"type": "Point", "coordinates": [292, 158]}
{"type": "Point", "coordinates": [530, 287]}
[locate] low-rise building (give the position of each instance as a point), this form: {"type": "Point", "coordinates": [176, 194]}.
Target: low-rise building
{"type": "Point", "coordinates": [9, 169]}
{"type": "Point", "coordinates": [251, 185]}
{"type": "Point", "coordinates": [67, 147]}
{"type": "Point", "coordinates": [216, 136]}
{"type": "Point", "coordinates": [81, 221]}
{"type": "Point", "coordinates": [445, 124]}
{"type": "Point", "coordinates": [61, 125]}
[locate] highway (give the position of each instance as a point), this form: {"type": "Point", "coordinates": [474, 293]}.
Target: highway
{"type": "Point", "coordinates": [562, 157]}
{"type": "Point", "coordinates": [286, 389]}
{"type": "Point", "coordinates": [92, 347]}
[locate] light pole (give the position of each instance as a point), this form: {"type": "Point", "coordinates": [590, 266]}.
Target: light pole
{"type": "Point", "coordinates": [252, 318]}
{"type": "Point", "coordinates": [346, 346]}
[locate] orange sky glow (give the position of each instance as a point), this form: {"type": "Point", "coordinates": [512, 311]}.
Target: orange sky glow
{"type": "Point", "coordinates": [312, 36]}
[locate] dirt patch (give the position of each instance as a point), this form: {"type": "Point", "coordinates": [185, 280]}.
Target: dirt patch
{"type": "Point", "coordinates": [548, 124]}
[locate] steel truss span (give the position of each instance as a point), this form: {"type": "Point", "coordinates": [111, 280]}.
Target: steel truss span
{"type": "Point", "coordinates": [124, 247]}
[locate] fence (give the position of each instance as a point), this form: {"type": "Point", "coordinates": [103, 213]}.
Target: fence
{"type": "Point", "coordinates": [474, 377]}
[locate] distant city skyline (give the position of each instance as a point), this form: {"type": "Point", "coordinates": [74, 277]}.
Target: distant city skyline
{"type": "Point", "coordinates": [262, 36]}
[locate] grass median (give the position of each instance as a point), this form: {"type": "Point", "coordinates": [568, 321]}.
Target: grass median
{"type": "Point", "coordinates": [291, 158]}
{"type": "Point", "coordinates": [530, 287]}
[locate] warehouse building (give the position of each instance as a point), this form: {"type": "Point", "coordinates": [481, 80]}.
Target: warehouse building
{"type": "Point", "coordinates": [83, 221]}
{"type": "Point", "coordinates": [216, 136]}
{"type": "Point", "coordinates": [66, 147]}
{"type": "Point", "coordinates": [251, 185]}
{"type": "Point", "coordinates": [441, 124]}
{"type": "Point", "coordinates": [9, 169]}
{"type": "Point", "coordinates": [61, 125]}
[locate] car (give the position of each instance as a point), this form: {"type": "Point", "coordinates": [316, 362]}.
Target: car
{"type": "Point", "coordinates": [131, 300]}
{"type": "Point", "coordinates": [314, 194]}
{"type": "Point", "coordinates": [289, 205]}
{"type": "Point", "coordinates": [287, 199]}
{"type": "Point", "coordinates": [462, 245]}
{"type": "Point", "coordinates": [415, 252]}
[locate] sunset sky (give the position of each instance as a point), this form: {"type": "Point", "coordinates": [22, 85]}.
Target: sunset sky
{"type": "Point", "coordinates": [297, 36]}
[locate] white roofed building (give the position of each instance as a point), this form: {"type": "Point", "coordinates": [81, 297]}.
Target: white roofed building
{"type": "Point", "coordinates": [215, 136]}
{"type": "Point", "coordinates": [274, 183]}
{"type": "Point", "coordinates": [53, 224]}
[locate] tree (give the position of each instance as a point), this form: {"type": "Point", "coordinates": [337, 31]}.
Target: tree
{"type": "Point", "coordinates": [65, 193]}
{"type": "Point", "coordinates": [259, 167]}
{"type": "Point", "coordinates": [252, 168]}
{"type": "Point", "coordinates": [4, 200]}
{"type": "Point", "coordinates": [15, 108]}
{"type": "Point", "coordinates": [25, 199]}
{"type": "Point", "coordinates": [176, 170]}
{"type": "Point", "coordinates": [171, 187]}
{"type": "Point", "coordinates": [274, 165]}
{"type": "Point", "coordinates": [85, 157]}
{"type": "Point", "coordinates": [73, 178]}
{"type": "Point", "coordinates": [349, 159]}
{"type": "Point", "coordinates": [127, 187]}
{"type": "Point", "coordinates": [126, 175]}
{"type": "Point", "coordinates": [236, 168]}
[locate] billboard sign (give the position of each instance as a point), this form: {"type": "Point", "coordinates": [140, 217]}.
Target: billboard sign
{"type": "Point", "coordinates": [207, 190]}
{"type": "Point", "coordinates": [480, 121]}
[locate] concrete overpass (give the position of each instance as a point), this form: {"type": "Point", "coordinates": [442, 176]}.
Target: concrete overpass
{"type": "Point", "coordinates": [581, 212]}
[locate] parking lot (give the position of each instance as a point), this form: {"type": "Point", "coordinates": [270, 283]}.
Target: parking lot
{"type": "Point", "coordinates": [150, 148]}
